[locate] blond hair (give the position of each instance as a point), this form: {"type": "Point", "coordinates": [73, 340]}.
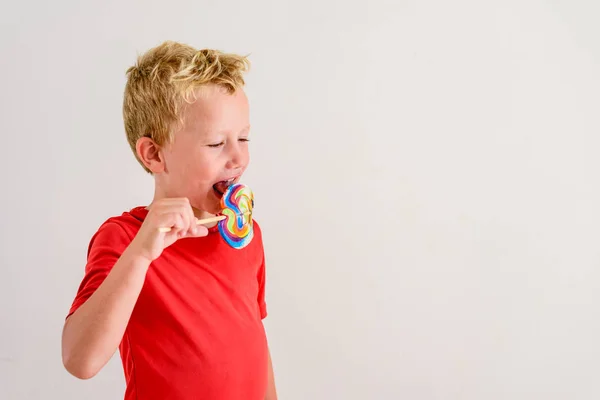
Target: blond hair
{"type": "Point", "coordinates": [167, 77]}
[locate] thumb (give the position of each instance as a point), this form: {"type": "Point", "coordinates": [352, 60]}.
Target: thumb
{"type": "Point", "coordinates": [199, 231]}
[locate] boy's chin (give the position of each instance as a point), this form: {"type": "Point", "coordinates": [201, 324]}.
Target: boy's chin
{"type": "Point", "coordinates": [214, 210]}
{"type": "Point", "coordinates": [213, 205]}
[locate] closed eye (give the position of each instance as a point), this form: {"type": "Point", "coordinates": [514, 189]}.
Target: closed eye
{"type": "Point", "coordinates": [215, 145]}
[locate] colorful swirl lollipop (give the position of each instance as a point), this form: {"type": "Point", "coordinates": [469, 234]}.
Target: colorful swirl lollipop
{"type": "Point", "coordinates": [235, 221]}
{"type": "Point", "coordinates": [237, 228]}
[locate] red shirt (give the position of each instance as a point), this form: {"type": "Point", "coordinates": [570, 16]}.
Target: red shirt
{"type": "Point", "coordinates": [196, 330]}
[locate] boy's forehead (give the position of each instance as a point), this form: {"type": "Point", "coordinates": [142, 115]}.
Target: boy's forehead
{"type": "Point", "coordinates": [216, 110]}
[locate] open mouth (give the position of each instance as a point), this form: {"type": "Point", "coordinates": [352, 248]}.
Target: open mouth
{"type": "Point", "coordinates": [221, 187]}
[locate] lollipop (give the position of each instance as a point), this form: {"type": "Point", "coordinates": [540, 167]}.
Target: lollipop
{"type": "Point", "coordinates": [237, 228]}
{"type": "Point", "coordinates": [235, 222]}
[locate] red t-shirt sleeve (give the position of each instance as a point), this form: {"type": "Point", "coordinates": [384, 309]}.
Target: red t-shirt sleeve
{"type": "Point", "coordinates": [105, 248]}
{"type": "Point", "coordinates": [262, 305]}
{"type": "Point", "coordinates": [261, 275]}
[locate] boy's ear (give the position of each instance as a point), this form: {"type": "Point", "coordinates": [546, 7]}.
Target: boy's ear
{"type": "Point", "coordinates": [150, 155]}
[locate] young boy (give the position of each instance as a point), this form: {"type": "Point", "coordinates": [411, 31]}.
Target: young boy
{"type": "Point", "coordinates": [183, 307]}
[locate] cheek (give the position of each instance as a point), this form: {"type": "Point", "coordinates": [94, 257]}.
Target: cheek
{"type": "Point", "coordinates": [201, 172]}
{"type": "Point", "coordinates": [204, 170]}
{"type": "Point", "coordinates": [246, 156]}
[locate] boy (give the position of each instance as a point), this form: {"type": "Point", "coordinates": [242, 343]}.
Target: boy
{"type": "Point", "coordinates": [184, 308]}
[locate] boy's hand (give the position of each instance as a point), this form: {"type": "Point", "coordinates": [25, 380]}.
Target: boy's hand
{"type": "Point", "coordinates": [174, 213]}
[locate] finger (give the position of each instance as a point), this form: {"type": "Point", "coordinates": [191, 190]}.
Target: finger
{"type": "Point", "coordinates": [173, 221]}
{"type": "Point", "coordinates": [169, 208]}
{"type": "Point", "coordinates": [200, 231]}
{"type": "Point", "coordinates": [192, 218]}
{"type": "Point", "coordinates": [177, 206]}
{"type": "Point", "coordinates": [180, 224]}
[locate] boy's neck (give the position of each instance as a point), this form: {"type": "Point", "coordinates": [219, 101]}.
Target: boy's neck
{"type": "Point", "coordinates": [200, 214]}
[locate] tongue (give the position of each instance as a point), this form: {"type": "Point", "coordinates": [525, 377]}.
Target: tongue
{"type": "Point", "coordinates": [221, 187]}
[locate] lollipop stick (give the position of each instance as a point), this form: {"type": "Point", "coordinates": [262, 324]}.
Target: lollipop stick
{"type": "Point", "coordinates": [198, 222]}
{"type": "Point", "coordinates": [203, 221]}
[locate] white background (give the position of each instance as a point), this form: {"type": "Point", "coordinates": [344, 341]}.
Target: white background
{"type": "Point", "coordinates": [426, 174]}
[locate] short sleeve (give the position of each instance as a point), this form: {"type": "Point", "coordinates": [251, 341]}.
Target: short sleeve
{"type": "Point", "coordinates": [262, 305]}
{"type": "Point", "coordinates": [261, 275]}
{"type": "Point", "coordinates": [105, 248]}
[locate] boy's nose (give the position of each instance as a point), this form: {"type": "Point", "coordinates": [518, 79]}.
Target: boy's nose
{"type": "Point", "coordinates": [236, 158]}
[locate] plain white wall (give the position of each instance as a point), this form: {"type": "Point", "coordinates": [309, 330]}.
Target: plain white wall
{"type": "Point", "coordinates": [426, 174]}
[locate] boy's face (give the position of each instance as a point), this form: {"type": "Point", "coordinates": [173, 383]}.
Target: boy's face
{"type": "Point", "coordinates": [210, 152]}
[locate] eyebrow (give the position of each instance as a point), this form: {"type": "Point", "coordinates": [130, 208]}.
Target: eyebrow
{"type": "Point", "coordinates": [224, 132]}
{"type": "Point", "coordinates": [246, 128]}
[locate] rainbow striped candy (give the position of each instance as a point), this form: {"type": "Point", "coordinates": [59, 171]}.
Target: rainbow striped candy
{"type": "Point", "coordinates": [237, 203]}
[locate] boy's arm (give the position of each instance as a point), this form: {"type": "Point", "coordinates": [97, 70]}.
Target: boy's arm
{"type": "Point", "coordinates": [271, 390]}
{"type": "Point", "coordinates": [91, 335]}
{"type": "Point", "coordinates": [93, 332]}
